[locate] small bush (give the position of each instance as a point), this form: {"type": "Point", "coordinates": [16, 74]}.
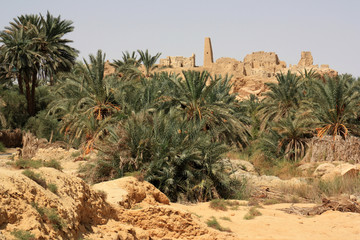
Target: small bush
{"type": "Point", "coordinates": [339, 185]}
{"type": "Point", "coordinates": [36, 177]}
{"type": "Point", "coordinates": [254, 202]}
{"type": "Point", "coordinates": [2, 147]}
{"type": "Point", "coordinates": [218, 204]}
{"type": "Point", "coordinates": [51, 215]}
{"type": "Point", "coordinates": [213, 223]}
{"type": "Point", "coordinates": [252, 213]}
{"type": "Point", "coordinates": [53, 164]}
{"type": "Point", "coordinates": [52, 187]}
{"type": "Point", "coordinates": [223, 205]}
{"type": "Point", "coordinates": [40, 210]}
{"type": "Point", "coordinates": [75, 154]}
{"type": "Point", "coordinates": [243, 190]}
{"type": "Point", "coordinates": [23, 235]}
{"type": "Point", "coordinates": [25, 164]}
{"type": "Point", "coordinates": [226, 219]}
{"type": "Point", "coordinates": [271, 201]}
{"type": "Point", "coordinates": [55, 219]}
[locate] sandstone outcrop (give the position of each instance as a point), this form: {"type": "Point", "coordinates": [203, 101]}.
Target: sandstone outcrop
{"type": "Point", "coordinates": [27, 206]}
{"type": "Point", "coordinates": [329, 171]}
{"type": "Point", "coordinates": [128, 192]}
{"type": "Point", "coordinates": [77, 211]}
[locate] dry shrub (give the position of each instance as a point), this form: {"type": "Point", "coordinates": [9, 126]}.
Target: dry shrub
{"type": "Point", "coordinates": [213, 223]}
{"type": "Point", "coordinates": [261, 164]}
{"type": "Point", "coordinates": [286, 169]}
{"type": "Point", "coordinates": [316, 189]}
{"type": "Point", "coordinates": [252, 213]}
{"type": "Point", "coordinates": [339, 185]}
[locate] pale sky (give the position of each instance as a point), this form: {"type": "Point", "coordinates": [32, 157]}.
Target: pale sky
{"type": "Point", "coordinates": [329, 29]}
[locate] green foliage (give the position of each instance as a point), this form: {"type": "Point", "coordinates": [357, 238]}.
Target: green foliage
{"type": "Point", "coordinates": [52, 187]}
{"type": "Point", "coordinates": [252, 213]}
{"type": "Point", "coordinates": [148, 61]}
{"type": "Point", "coordinates": [23, 235]}
{"type": "Point", "coordinates": [336, 106]}
{"type": "Point", "coordinates": [28, 163]}
{"type": "Point", "coordinates": [36, 177]}
{"type": "Point", "coordinates": [339, 185]}
{"type": "Point", "coordinates": [223, 205]}
{"type": "Point", "coordinates": [57, 222]}
{"type": "Point", "coordinates": [75, 154]}
{"type": "Point", "coordinates": [218, 204]}
{"type": "Point", "coordinates": [53, 164]}
{"type": "Point", "coordinates": [2, 147]}
{"type": "Point", "coordinates": [226, 219]}
{"type": "Point", "coordinates": [13, 109]}
{"type": "Point", "coordinates": [40, 210]}
{"type": "Point", "coordinates": [50, 215]}
{"type": "Point", "coordinates": [128, 67]}
{"type": "Point", "coordinates": [213, 223]}
{"type": "Point", "coordinates": [44, 126]}
{"type": "Point", "coordinates": [33, 45]}
{"type": "Point", "coordinates": [87, 102]}
{"type": "Point", "coordinates": [282, 99]}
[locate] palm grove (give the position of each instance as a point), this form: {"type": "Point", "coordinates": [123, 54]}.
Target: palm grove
{"type": "Point", "coordinates": [172, 129]}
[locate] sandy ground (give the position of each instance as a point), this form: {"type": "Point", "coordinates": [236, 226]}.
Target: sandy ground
{"type": "Point", "coordinates": [272, 224]}
{"type": "Point", "coordinates": [276, 224]}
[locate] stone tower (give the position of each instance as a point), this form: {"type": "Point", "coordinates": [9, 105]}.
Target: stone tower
{"type": "Point", "coordinates": [208, 54]}
{"type": "Point", "coordinates": [306, 59]}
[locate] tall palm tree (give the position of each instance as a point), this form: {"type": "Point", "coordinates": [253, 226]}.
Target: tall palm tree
{"type": "Point", "coordinates": [56, 53]}
{"type": "Point", "coordinates": [202, 98]}
{"type": "Point", "coordinates": [86, 101]}
{"type": "Point", "coordinates": [336, 105]}
{"type": "Point", "coordinates": [128, 67]}
{"type": "Point", "coordinates": [293, 132]}
{"type": "Point", "coordinates": [282, 99]}
{"type": "Point", "coordinates": [148, 61]}
{"type": "Point", "coordinates": [33, 45]}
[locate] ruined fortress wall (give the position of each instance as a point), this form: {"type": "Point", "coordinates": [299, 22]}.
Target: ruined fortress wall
{"type": "Point", "coordinates": [178, 61]}
{"type": "Point", "coordinates": [248, 76]}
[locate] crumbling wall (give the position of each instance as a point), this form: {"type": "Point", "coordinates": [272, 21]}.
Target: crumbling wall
{"type": "Point", "coordinates": [306, 59]}
{"type": "Point", "coordinates": [178, 61]}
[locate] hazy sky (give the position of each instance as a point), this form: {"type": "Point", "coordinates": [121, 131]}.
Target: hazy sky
{"type": "Point", "coordinates": [329, 29]}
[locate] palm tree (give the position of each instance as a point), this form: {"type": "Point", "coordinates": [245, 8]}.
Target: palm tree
{"type": "Point", "coordinates": [128, 67]}
{"type": "Point", "coordinates": [86, 101]}
{"type": "Point", "coordinates": [33, 46]}
{"type": "Point", "coordinates": [148, 61]}
{"type": "Point", "coordinates": [336, 105]}
{"type": "Point", "coordinates": [202, 98]}
{"type": "Point", "coordinates": [293, 133]}
{"type": "Point", "coordinates": [282, 99]}
{"type": "Point", "coordinates": [56, 53]}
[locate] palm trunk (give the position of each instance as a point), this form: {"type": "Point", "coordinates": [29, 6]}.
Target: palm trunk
{"type": "Point", "coordinates": [27, 92]}
{"type": "Point", "coordinates": [20, 82]}
{"type": "Point", "coordinates": [30, 86]}
{"type": "Point", "coordinates": [52, 80]}
{"type": "Point", "coordinates": [32, 96]}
